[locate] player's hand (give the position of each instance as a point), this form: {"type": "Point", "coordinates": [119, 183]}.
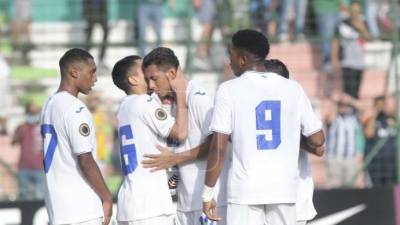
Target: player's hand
{"type": "Point", "coordinates": [179, 83]}
{"type": "Point", "coordinates": [107, 211]}
{"type": "Point", "coordinates": [210, 209]}
{"type": "Point", "coordinates": [166, 159]}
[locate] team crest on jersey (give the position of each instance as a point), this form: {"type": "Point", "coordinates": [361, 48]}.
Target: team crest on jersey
{"type": "Point", "coordinates": [84, 129]}
{"type": "Point", "coordinates": [161, 114]}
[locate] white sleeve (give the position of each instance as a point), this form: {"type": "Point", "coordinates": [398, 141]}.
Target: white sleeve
{"type": "Point", "coordinates": [310, 123]}
{"type": "Point", "coordinates": [80, 130]}
{"type": "Point", "coordinates": [157, 118]}
{"type": "Point", "coordinates": [222, 114]}
{"type": "Point", "coordinates": [202, 106]}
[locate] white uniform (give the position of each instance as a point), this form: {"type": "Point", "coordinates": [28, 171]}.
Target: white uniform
{"type": "Point", "coordinates": [192, 174]}
{"type": "Point", "coordinates": [264, 113]}
{"type": "Point", "coordinates": [144, 197]}
{"type": "Point", "coordinates": [305, 210]}
{"type": "Point", "coordinates": [68, 131]}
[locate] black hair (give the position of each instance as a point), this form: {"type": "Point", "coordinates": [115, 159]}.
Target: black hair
{"type": "Point", "coordinates": [163, 58]}
{"type": "Point", "coordinates": [252, 42]}
{"type": "Point", "coordinates": [120, 72]}
{"type": "Point", "coordinates": [276, 66]}
{"type": "Point", "coordinates": [72, 56]}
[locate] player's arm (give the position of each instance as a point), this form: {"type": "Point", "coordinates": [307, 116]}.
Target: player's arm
{"type": "Point", "coordinates": [179, 130]}
{"type": "Point", "coordinates": [318, 151]}
{"type": "Point", "coordinates": [215, 163]}
{"type": "Point", "coordinates": [80, 130]}
{"type": "Point", "coordinates": [93, 176]}
{"type": "Point", "coordinates": [310, 124]}
{"type": "Point", "coordinates": [167, 159]}
{"type": "Point", "coordinates": [221, 125]}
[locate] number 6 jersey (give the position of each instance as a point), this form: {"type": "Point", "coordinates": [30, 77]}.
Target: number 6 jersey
{"type": "Point", "coordinates": [142, 125]}
{"type": "Point", "coordinates": [264, 113]}
{"type": "Point", "coordinates": [68, 131]}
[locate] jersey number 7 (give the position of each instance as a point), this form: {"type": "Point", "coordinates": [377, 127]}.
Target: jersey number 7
{"type": "Point", "coordinates": [268, 118]}
{"type": "Point", "coordinates": [127, 150]}
{"type": "Point", "coordinates": [51, 148]}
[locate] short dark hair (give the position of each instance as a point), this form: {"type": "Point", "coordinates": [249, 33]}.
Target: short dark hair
{"type": "Point", "coordinates": [163, 58]}
{"type": "Point", "coordinates": [120, 72]}
{"type": "Point", "coordinates": [252, 42]}
{"type": "Point", "coordinates": [73, 55]}
{"type": "Point", "coordinates": [276, 66]}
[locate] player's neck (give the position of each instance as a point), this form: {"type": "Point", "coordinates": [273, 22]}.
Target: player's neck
{"type": "Point", "coordinates": [258, 67]}
{"type": "Point", "coordinates": [136, 91]}
{"type": "Point", "coordinates": [68, 88]}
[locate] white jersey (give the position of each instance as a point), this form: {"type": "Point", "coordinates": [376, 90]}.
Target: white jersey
{"type": "Point", "coordinates": [264, 113]}
{"type": "Point", "coordinates": [304, 204]}
{"type": "Point", "coordinates": [68, 131]}
{"type": "Point", "coordinates": [192, 174]}
{"type": "Point", "coordinates": [142, 124]}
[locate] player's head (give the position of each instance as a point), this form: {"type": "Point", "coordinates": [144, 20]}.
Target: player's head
{"type": "Point", "coordinates": [247, 49]}
{"type": "Point", "coordinates": [276, 66]}
{"type": "Point", "coordinates": [32, 111]}
{"type": "Point", "coordinates": [78, 69]}
{"type": "Point", "coordinates": [159, 66]}
{"type": "Point", "coordinates": [128, 76]}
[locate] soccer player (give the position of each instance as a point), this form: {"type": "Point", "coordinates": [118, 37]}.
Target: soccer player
{"type": "Point", "coordinates": [144, 197]}
{"type": "Point", "coordinates": [160, 65]}
{"type": "Point", "coordinates": [75, 192]}
{"type": "Point", "coordinates": [264, 114]}
{"type": "Point", "coordinates": [305, 209]}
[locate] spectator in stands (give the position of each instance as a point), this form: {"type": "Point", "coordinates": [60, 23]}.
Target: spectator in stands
{"type": "Point", "coordinates": [21, 27]}
{"type": "Point", "coordinates": [30, 170]}
{"type": "Point", "coordinates": [352, 34]}
{"type": "Point", "coordinates": [327, 12]}
{"type": "Point", "coordinates": [371, 17]}
{"type": "Point", "coordinates": [206, 15]}
{"type": "Point", "coordinates": [300, 12]}
{"type": "Point", "coordinates": [4, 94]}
{"type": "Point", "coordinates": [149, 11]}
{"type": "Point", "coordinates": [260, 11]}
{"type": "Point", "coordinates": [95, 12]}
{"type": "Point", "coordinates": [378, 126]}
{"type": "Point", "coordinates": [344, 148]}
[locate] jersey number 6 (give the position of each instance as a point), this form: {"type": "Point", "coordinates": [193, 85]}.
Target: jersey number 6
{"type": "Point", "coordinates": [51, 148]}
{"type": "Point", "coordinates": [127, 150]}
{"type": "Point", "coordinates": [268, 118]}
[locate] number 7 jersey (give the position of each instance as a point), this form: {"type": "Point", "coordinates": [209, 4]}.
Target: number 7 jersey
{"type": "Point", "coordinates": [68, 131]}
{"type": "Point", "coordinates": [265, 114]}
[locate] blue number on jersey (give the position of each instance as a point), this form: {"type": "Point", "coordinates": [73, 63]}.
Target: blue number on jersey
{"type": "Point", "coordinates": [128, 151]}
{"type": "Point", "coordinates": [273, 124]}
{"type": "Point", "coordinates": [48, 158]}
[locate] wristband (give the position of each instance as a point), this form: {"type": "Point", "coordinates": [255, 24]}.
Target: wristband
{"type": "Point", "coordinates": [208, 193]}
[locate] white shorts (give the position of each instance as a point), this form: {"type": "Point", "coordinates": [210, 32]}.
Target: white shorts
{"type": "Point", "coordinates": [158, 220]}
{"type": "Point", "coordinates": [97, 221]}
{"type": "Point", "coordinates": [197, 217]}
{"type": "Point", "coordinates": [270, 214]}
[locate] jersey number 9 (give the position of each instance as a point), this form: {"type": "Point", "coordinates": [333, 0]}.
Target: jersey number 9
{"type": "Point", "coordinates": [127, 150]}
{"type": "Point", "coordinates": [268, 118]}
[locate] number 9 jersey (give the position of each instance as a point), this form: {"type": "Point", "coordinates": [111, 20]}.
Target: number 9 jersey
{"type": "Point", "coordinates": [265, 114]}
{"type": "Point", "coordinates": [68, 131]}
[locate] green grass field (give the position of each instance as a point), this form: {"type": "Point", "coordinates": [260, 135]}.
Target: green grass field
{"type": "Point", "coordinates": [31, 73]}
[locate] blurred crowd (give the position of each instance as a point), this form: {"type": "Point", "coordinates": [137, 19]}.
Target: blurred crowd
{"type": "Point", "coordinates": [361, 146]}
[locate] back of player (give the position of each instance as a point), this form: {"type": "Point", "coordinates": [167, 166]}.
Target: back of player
{"type": "Point", "coordinates": [143, 194]}
{"type": "Point", "coordinates": [68, 131]}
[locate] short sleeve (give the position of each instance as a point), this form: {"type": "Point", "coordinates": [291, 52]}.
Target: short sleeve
{"type": "Point", "coordinates": [80, 130]}
{"type": "Point", "coordinates": [310, 123]}
{"type": "Point", "coordinates": [202, 105]}
{"type": "Point", "coordinates": [157, 118]}
{"type": "Point", "coordinates": [222, 114]}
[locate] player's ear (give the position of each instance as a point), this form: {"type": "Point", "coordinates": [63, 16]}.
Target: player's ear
{"type": "Point", "coordinates": [74, 72]}
{"type": "Point", "coordinates": [132, 80]}
{"type": "Point", "coordinates": [171, 73]}
{"type": "Point", "coordinates": [243, 59]}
